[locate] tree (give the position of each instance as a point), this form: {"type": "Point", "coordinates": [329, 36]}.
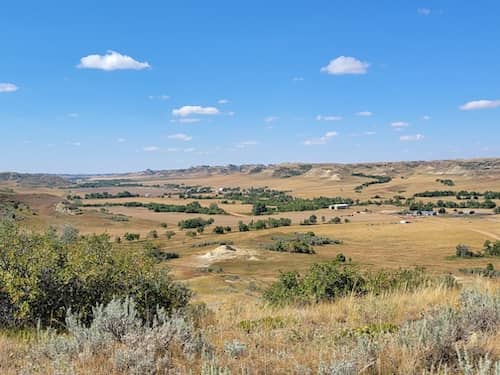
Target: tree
{"type": "Point", "coordinates": [41, 277]}
{"type": "Point", "coordinates": [219, 229]}
{"type": "Point", "coordinates": [242, 227]}
{"type": "Point", "coordinates": [259, 208]}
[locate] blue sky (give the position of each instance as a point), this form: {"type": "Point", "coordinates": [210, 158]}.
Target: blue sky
{"type": "Point", "coordinates": [170, 84]}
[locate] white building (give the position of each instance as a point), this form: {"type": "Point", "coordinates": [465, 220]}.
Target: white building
{"type": "Point", "coordinates": [339, 206]}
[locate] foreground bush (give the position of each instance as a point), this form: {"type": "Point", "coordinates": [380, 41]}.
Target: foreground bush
{"type": "Point", "coordinates": [335, 279]}
{"type": "Point", "coordinates": [42, 276]}
{"type": "Point", "coordinates": [130, 345]}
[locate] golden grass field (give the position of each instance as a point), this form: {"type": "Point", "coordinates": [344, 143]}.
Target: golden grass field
{"type": "Point", "coordinates": [374, 238]}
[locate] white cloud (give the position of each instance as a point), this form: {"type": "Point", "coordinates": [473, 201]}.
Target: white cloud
{"type": "Point", "coordinates": [328, 118]}
{"type": "Point", "coordinates": [189, 110]}
{"type": "Point", "coordinates": [271, 118]}
{"type": "Point", "coordinates": [151, 149]}
{"type": "Point", "coordinates": [73, 115]}
{"type": "Point", "coordinates": [346, 65]}
{"type": "Point", "coordinates": [8, 87]}
{"type": "Point", "coordinates": [172, 149]}
{"type": "Point", "coordinates": [180, 137]}
{"type": "Point", "coordinates": [297, 79]}
{"type": "Point", "coordinates": [426, 118]}
{"type": "Point", "coordinates": [399, 124]}
{"type": "Point", "coordinates": [480, 104]}
{"type": "Point", "coordinates": [411, 138]}
{"type": "Point", "coordinates": [245, 144]}
{"type": "Point", "coordinates": [370, 133]}
{"type": "Point", "coordinates": [424, 11]}
{"type": "Point", "coordinates": [121, 140]}
{"type": "Point", "coordinates": [364, 113]}
{"type": "Point", "coordinates": [76, 144]}
{"type": "Point", "coordinates": [111, 61]}
{"type": "Point", "coordinates": [223, 101]}
{"type": "Point", "coordinates": [190, 149]}
{"type": "Point", "coordinates": [321, 140]}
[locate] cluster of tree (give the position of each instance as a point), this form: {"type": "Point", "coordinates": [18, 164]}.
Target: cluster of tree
{"type": "Point", "coordinates": [436, 193]}
{"type": "Point", "coordinates": [264, 224]}
{"type": "Point", "coordinates": [491, 249]}
{"type": "Point", "coordinates": [376, 180]}
{"type": "Point", "coordinates": [311, 220]}
{"type": "Point", "coordinates": [194, 223]}
{"type": "Point", "coordinates": [446, 181]}
{"type": "Point", "coordinates": [106, 195]}
{"type": "Point", "coordinates": [335, 279]}
{"type": "Point", "coordinates": [192, 207]}
{"type": "Point", "coordinates": [298, 204]}
{"type": "Point", "coordinates": [104, 183]}
{"type": "Point", "coordinates": [462, 194]}
{"type": "Point", "coordinates": [300, 243]}
{"type": "Point", "coordinates": [42, 275]}
{"type": "Point", "coordinates": [219, 229]}
{"type": "Point", "coordinates": [429, 206]}
{"type": "Point", "coordinates": [266, 201]}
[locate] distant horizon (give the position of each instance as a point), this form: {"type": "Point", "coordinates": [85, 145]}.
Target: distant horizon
{"type": "Point", "coordinates": [250, 164]}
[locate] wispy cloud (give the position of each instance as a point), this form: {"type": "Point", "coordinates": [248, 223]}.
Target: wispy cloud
{"type": "Point", "coordinates": [189, 110]}
{"type": "Point", "coordinates": [297, 79]}
{"type": "Point", "coordinates": [111, 61]}
{"type": "Point", "coordinates": [346, 65]}
{"type": "Point", "coordinates": [426, 118]}
{"type": "Point", "coordinates": [76, 144]}
{"type": "Point", "coordinates": [328, 118]}
{"type": "Point", "coordinates": [364, 113]}
{"type": "Point", "coordinates": [245, 144]}
{"type": "Point", "coordinates": [151, 149]}
{"type": "Point", "coordinates": [8, 87]}
{"type": "Point", "coordinates": [480, 104]}
{"type": "Point", "coordinates": [186, 120]}
{"type": "Point", "coordinates": [321, 140]}
{"type": "Point", "coordinates": [411, 138]}
{"type": "Point", "coordinates": [180, 137]}
{"type": "Point", "coordinates": [73, 115]}
{"type": "Point", "coordinates": [223, 101]}
{"type": "Point", "coordinates": [398, 125]}
{"type": "Point", "coordinates": [159, 97]}
{"type": "Point", "coordinates": [121, 140]}
{"type": "Point", "coordinates": [424, 11]}
{"type": "Point", "coordinates": [271, 118]}
{"type": "Point", "coordinates": [369, 133]}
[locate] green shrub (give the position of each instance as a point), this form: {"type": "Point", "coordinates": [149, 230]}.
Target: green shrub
{"type": "Point", "coordinates": [131, 236]}
{"type": "Point", "coordinates": [334, 279]}
{"type": "Point", "coordinates": [464, 251]}
{"type": "Point", "coordinates": [169, 234]}
{"type": "Point", "coordinates": [157, 254]}
{"type": "Point", "coordinates": [491, 248]}
{"type": "Point", "coordinates": [194, 223]}
{"type": "Point", "coordinates": [41, 277]}
{"type": "Point", "coordinates": [219, 229]}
